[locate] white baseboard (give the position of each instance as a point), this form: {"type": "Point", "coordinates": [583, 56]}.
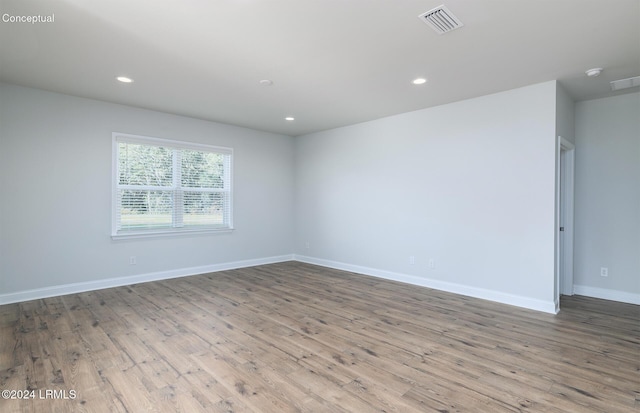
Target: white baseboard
{"type": "Point", "coordinates": [81, 287]}
{"type": "Point", "coordinates": [606, 294]}
{"type": "Point", "coordinates": [504, 298]}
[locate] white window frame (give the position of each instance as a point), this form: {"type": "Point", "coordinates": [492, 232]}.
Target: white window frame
{"type": "Point", "coordinates": [116, 233]}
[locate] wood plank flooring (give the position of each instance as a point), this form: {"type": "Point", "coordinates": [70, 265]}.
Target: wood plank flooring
{"type": "Point", "coordinates": [293, 337]}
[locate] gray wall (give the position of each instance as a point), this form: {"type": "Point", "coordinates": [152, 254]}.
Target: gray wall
{"type": "Point", "coordinates": [607, 197]}
{"type": "Point", "coordinates": [470, 185]}
{"type": "Point", "coordinates": [55, 180]}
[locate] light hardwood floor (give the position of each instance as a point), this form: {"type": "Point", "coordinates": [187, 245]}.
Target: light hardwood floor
{"type": "Point", "coordinates": [293, 337]}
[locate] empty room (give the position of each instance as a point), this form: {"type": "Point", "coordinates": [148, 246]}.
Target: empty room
{"type": "Point", "coordinates": [320, 206]}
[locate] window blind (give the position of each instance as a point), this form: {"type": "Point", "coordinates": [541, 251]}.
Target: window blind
{"type": "Point", "coordinates": [170, 186]}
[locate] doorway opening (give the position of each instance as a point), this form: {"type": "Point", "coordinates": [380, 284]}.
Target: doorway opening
{"type": "Point", "coordinates": [564, 219]}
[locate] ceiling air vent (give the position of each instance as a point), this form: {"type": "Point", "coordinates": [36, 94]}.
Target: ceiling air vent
{"type": "Point", "coordinates": [625, 83]}
{"type": "Point", "coordinates": [441, 20]}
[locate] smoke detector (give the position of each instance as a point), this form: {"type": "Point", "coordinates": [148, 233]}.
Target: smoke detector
{"type": "Point", "coordinates": [441, 20]}
{"type": "Point", "coordinates": [594, 72]}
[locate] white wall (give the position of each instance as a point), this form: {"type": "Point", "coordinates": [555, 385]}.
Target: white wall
{"type": "Point", "coordinates": [470, 185]}
{"type": "Point", "coordinates": [607, 197]}
{"type": "Point", "coordinates": [55, 181]}
{"type": "Point", "coordinates": [565, 115]}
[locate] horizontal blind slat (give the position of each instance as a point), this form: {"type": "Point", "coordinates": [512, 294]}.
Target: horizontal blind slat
{"type": "Point", "coordinates": [168, 187]}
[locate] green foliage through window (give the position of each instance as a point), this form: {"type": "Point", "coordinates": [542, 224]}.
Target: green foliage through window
{"type": "Point", "coordinates": [162, 186]}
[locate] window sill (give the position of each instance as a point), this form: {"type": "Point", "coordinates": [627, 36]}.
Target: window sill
{"type": "Point", "coordinates": [168, 233]}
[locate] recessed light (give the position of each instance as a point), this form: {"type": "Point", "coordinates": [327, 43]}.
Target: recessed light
{"type": "Point", "coordinates": [124, 79]}
{"type": "Point", "coordinates": [290, 118]}
{"type": "Point", "coordinates": [419, 81]}
{"type": "Point", "coordinates": [266, 82]}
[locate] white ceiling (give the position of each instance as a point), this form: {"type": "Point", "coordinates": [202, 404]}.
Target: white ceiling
{"type": "Point", "coordinates": [332, 62]}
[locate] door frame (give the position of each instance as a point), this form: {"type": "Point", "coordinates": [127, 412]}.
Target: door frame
{"type": "Point", "coordinates": [565, 176]}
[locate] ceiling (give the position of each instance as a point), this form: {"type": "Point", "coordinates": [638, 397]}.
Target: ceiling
{"type": "Point", "coordinates": [332, 62]}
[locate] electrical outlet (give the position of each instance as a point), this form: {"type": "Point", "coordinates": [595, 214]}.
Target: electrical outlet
{"type": "Point", "coordinates": [132, 260]}
{"type": "Point", "coordinates": [604, 272]}
{"type": "Point", "coordinates": [412, 260]}
{"type": "Point", "coordinates": [432, 263]}
{"type": "Point", "coordinates": [306, 245]}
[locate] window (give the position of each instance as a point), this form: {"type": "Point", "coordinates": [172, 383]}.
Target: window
{"type": "Point", "coordinates": [165, 187]}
